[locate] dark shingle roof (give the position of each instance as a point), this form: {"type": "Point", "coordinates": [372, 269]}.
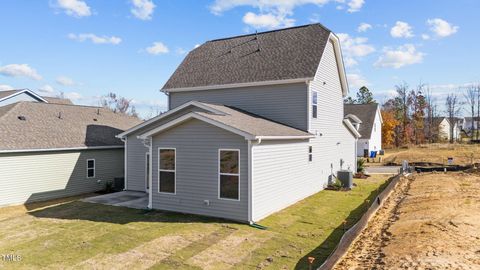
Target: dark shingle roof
{"type": "Point", "coordinates": [290, 53]}
{"type": "Point", "coordinates": [366, 113]}
{"type": "Point", "coordinates": [249, 122]}
{"type": "Point", "coordinates": [49, 125]}
{"type": "Point", "coordinates": [56, 100]}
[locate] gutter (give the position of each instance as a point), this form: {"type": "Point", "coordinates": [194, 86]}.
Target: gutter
{"type": "Point", "coordinates": [236, 85]}
{"type": "Point", "coordinates": [61, 149]}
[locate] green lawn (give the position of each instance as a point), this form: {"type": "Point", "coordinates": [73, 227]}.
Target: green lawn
{"type": "Point", "coordinates": [82, 235]}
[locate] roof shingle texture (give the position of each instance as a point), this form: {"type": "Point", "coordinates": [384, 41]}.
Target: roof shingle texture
{"type": "Point", "coordinates": [49, 125]}
{"type": "Point", "coordinates": [366, 113]}
{"type": "Point", "coordinates": [290, 53]}
{"type": "Point", "coordinates": [250, 123]}
{"type": "Point", "coordinates": [56, 100]}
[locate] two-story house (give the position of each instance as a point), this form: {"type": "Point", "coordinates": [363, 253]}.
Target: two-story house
{"type": "Point", "coordinates": [370, 126]}
{"type": "Point", "coordinates": [255, 124]}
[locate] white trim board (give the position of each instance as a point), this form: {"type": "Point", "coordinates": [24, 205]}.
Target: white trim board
{"type": "Point", "coordinates": [236, 85]}
{"type": "Point", "coordinates": [27, 91]}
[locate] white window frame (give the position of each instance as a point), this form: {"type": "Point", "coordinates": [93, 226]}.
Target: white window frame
{"type": "Point", "coordinates": [163, 170]}
{"type": "Point", "coordinates": [94, 169]}
{"type": "Point", "coordinates": [313, 104]}
{"type": "Point", "coordinates": [231, 174]}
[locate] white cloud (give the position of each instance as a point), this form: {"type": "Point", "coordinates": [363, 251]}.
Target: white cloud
{"type": "Point", "coordinates": [157, 48]}
{"type": "Point", "coordinates": [349, 62]}
{"type": "Point", "coordinates": [425, 37]}
{"type": "Point", "coordinates": [354, 48]}
{"type": "Point", "coordinates": [363, 27]}
{"type": "Point", "coordinates": [143, 9]}
{"type": "Point", "coordinates": [74, 96]}
{"type": "Point", "coordinates": [356, 80]}
{"type": "Point", "coordinates": [65, 81]}
{"type": "Point", "coordinates": [442, 28]}
{"type": "Point", "coordinates": [267, 20]}
{"type": "Point", "coordinates": [47, 89]}
{"type": "Point", "coordinates": [401, 30]}
{"type": "Point", "coordinates": [95, 39]}
{"type": "Point", "coordinates": [4, 87]}
{"type": "Point", "coordinates": [402, 56]}
{"type": "Point", "coordinates": [75, 8]}
{"type": "Point", "coordinates": [274, 13]}
{"type": "Point", "coordinates": [355, 5]}
{"type": "Point", "coordinates": [20, 70]}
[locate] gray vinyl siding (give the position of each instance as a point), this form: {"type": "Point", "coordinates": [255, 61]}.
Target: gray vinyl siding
{"type": "Point", "coordinates": [281, 103]}
{"type": "Point", "coordinates": [197, 144]}
{"type": "Point", "coordinates": [30, 177]}
{"type": "Point", "coordinates": [136, 151]}
{"type": "Point", "coordinates": [282, 175]}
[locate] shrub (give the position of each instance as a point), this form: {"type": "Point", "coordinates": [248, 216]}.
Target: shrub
{"type": "Point", "coordinates": [360, 165]}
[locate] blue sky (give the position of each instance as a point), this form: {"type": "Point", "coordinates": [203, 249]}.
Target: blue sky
{"type": "Point", "coordinates": [87, 48]}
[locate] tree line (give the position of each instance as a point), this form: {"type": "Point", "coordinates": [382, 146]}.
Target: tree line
{"type": "Point", "coordinates": [411, 115]}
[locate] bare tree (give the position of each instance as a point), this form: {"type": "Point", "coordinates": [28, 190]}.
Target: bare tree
{"type": "Point", "coordinates": [118, 104]}
{"type": "Point", "coordinates": [402, 110]}
{"type": "Point", "coordinates": [471, 97]}
{"type": "Point", "coordinates": [453, 109]}
{"type": "Point", "coordinates": [478, 110]}
{"type": "Point", "coordinates": [431, 131]}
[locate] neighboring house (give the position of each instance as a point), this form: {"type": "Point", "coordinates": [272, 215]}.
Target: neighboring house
{"type": "Point", "coordinates": [52, 150]}
{"type": "Point", "coordinates": [370, 127]}
{"type": "Point", "coordinates": [441, 128]}
{"type": "Point", "coordinates": [12, 96]}
{"type": "Point", "coordinates": [255, 124]}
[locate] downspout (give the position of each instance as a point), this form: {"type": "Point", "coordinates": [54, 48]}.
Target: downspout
{"type": "Point", "coordinates": [125, 162]}
{"type": "Point", "coordinates": [150, 190]}
{"type": "Point", "coordinates": [250, 189]}
{"type": "Point", "coordinates": [148, 143]}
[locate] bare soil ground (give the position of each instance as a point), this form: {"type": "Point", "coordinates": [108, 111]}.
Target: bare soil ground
{"type": "Point", "coordinates": [462, 154]}
{"type": "Point", "coordinates": [431, 221]}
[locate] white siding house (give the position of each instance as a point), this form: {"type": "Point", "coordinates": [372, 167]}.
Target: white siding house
{"type": "Point", "coordinates": [370, 127]}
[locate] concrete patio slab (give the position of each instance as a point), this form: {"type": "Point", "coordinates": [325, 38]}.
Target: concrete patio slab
{"type": "Point", "coordinates": [131, 199]}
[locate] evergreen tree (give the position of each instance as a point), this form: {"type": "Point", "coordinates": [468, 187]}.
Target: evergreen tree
{"type": "Point", "coordinates": [364, 96]}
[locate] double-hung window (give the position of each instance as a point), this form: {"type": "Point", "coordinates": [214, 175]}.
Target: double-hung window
{"type": "Point", "coordinates": [90, 168]}
{"type": "Point", "coordinates": [166, 170]}
{"type": "Point", "coordinates": [314, 104]}
{"type": "Point", "coordinates": [229, 174]}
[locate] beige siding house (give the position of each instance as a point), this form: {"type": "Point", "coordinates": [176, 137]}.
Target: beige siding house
{"type": "Point", "coordinates": [256, 123]}
{"type": "Point", "coordinates": [55, 150]}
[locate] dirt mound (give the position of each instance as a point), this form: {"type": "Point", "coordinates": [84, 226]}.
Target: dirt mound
{"type": "Point", "coordinates": [431, 221]}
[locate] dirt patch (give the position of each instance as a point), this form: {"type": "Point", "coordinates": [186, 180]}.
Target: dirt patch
{"type": "Point", "coordinates": [141, 257]}
{"type": "Point", "coordinates": [462, 154]}
{"type": "Point", "coordinates": [431, 221]}
{"type": "Point", "coordinates": [230, 251]}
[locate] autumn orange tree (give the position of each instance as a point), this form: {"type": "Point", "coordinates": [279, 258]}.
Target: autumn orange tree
{"type": "Point", "coordinates": [388, 127]}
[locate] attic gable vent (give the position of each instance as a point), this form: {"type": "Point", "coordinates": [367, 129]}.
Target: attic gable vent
{"type": "Point", "coordinates": [22, 118]}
